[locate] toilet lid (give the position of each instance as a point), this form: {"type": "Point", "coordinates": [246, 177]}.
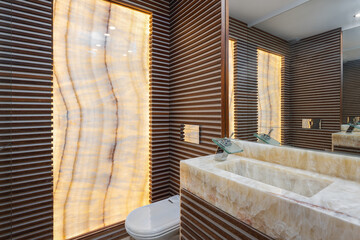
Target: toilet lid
{"type": "Point", "coordinates": [155, 219]}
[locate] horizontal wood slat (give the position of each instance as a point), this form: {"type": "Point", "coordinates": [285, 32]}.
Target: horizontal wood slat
{"type": "Point", "coordinates": [316, 68]}
{"type": "Point", "coordinates": [195, 72]}
{"type": "Point", "coordinates": [25, 120]}
{"type": "Point", "coordinates": [201, 220]}
{"type": "Point", "coordinates": [113, 232]}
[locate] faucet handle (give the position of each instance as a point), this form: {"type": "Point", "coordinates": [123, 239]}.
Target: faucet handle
{"type": "Point", "coordinates": [270, 132]}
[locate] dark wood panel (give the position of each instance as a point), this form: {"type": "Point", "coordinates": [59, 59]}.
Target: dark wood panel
{"type": "Point", "coordinates": [25, 120]}
{"type": "Point", "coordinates": [202, 220]}
{"type": "Point", "coordinates": [316, 68]}
{"type": "Point", "coordinates": [113, 232]}
{"type": "Point", "coordinates": [197, 47]}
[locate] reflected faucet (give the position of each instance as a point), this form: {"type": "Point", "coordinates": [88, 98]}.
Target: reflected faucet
{"type": "Point", "coordinates": [267, 136]}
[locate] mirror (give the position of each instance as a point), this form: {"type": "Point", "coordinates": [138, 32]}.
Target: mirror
{"type": "Point", "coordinates": [351, 77]}
{"type": "Point", "coordinates": [294, 73]}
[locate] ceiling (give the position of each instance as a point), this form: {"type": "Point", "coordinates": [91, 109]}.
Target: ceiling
{"type": "Point", "coordinates": [297, 19]}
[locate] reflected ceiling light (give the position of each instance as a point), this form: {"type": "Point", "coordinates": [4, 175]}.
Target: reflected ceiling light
{"type": "Point", "coordinates": [107, 34]}
{"type": "Point", "coordinates": [98, 45]}
{"type": "Point", "coordinates": [357, 15]}
{"type": "Point", "coordinates": [112, 27]}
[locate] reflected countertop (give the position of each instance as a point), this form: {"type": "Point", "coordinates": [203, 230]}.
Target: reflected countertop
{"type": "Point", "coordinates": [346, 139]}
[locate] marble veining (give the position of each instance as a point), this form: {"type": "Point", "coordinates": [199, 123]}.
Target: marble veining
{"type": "Point", "coordinates": [101, 114]}
{"type": "Point", "coordinates": [330, 210]}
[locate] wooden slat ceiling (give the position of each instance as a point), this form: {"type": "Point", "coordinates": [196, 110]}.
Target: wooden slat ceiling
{"type": "Point", "coordinates": [25, 120]}
{"type": "Point", "coordinates": [195, 73]}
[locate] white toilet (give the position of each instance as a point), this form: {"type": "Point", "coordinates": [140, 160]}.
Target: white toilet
{"type": "Point", "coordinates": [156, 221]}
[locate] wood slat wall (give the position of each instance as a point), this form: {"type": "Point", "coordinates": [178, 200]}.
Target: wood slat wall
{"type": "Point", "coordinates": [195, 72]}
{"type": "Point", "coordinates": [113, 232]}
{"type": "Point", "coordinates": [247, 42]}
{"type": "Point", "coordinates": [25, 122]}
{"type": "Point", "coordinates": [316, 69]}
{"type": "Point", "coordinates": [351, 89]}
{"type": "Point", "coordinates": [202, 220]}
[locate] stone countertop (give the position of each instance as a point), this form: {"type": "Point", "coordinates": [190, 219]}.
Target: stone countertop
{"type": "Point", "coordinates": [346, 139]}
{"type": "Point", "coordinates": [331, 211]}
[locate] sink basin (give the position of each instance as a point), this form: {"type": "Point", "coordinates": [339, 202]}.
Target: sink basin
{"type": "Point", "coordinates": [284, 178]}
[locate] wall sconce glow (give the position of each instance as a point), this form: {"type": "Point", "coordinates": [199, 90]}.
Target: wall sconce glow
{"type": "Point", "coordinates": [231, 87]}
{"type": "Point", "coordinates": [101, 115]}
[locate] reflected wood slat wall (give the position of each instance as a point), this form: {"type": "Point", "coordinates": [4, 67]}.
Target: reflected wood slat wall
{"type": "Point", "coordinates": [195, 86]}
{"type": "Point", "coordinates": [25, 120]}
{"type": "Point", "coordinates": [316, 68]}
{"type": "Point", "coordinates": [248, 41]}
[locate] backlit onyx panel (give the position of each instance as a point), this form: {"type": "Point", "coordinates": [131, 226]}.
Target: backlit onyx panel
{"type": "Point", "coordinates": [101, 114]}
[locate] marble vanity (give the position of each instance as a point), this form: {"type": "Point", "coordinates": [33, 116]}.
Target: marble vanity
{"type": "Point", "coordinates": [344, 139]}
{"type": "Point", "coordinates": [286, 193]}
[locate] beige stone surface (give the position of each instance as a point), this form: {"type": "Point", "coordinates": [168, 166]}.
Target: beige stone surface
{"type": "Point", "coordinates": [346, 139]}
{"type": "Point", "coordinates": [287, 193]}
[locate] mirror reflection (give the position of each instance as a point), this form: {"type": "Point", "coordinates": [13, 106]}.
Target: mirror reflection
{"type": "Point", "coordinates": [294, 73]}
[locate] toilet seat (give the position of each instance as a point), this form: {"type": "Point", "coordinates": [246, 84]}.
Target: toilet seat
{"type": "Point", "coordinates": [155, 220]}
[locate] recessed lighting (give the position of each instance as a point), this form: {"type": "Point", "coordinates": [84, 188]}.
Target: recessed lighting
{"type": "Point", "coordinates": [357, 15]}
{"type": "Point", "coordinates": [98, 45]}
{"type": "Point", "coordinates": [107, 34]}
{"type": "Point", "coordinates": [112, 27]}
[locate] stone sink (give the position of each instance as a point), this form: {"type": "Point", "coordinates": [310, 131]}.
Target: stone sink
{"type": "Point", "coordinates": [287, 193]}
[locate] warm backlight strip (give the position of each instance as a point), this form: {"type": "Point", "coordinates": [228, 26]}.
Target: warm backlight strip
{"type": "Point", "coordinates": [231, 86]}
{"type": "Point", "coordinates": [269, 93]}
{"type": "Point", "coordinates": [101, 114]}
